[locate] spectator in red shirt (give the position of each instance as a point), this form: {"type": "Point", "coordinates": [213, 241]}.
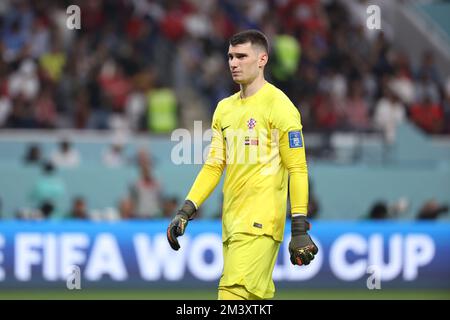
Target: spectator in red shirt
{"type": "Point", "coordinates": [115, 84]}
{"type": "Point", "coordinates": [356, 109]}
{"type": "Point", "coordinates": [327, 111]}
{"type": "Point", "coordinates": [427, 115]}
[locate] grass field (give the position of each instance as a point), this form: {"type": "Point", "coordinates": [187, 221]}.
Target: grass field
{"type": "Point", "coordinates": [196, 294]}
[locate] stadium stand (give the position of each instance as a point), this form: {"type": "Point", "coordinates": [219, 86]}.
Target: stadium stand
{"type": "Point", "coordinates": [148, 67]}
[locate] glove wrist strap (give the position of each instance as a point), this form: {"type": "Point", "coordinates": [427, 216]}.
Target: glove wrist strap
{"type": "Point", "coordinates": [299, 225]}
{"type": "Point", "coordinates": [188, 210]}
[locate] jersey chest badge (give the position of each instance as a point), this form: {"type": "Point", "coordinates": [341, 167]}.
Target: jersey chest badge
{"type": "Point", "coordinates": [251, 123]}
{"type": "Point", "coordinates": [251, 141]}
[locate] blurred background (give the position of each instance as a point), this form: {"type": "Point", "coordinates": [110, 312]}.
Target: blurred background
{"type": "Point", "coordinates": [87, 117]}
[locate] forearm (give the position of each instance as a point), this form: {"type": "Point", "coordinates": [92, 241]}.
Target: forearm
{"type": "Point", "coordinates": [298, 189]}
{"type": "Point", "coordinates": [294, 160]}
{"type": "Point", "coordinates": [205, 183]}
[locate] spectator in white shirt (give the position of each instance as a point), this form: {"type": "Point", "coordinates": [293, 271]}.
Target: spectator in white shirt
{"type": "Point", "coordinates": [113, 156]}
{"type": "Point", "coordinates": [66, 156]}
{"type": "Point", "coordinates": [389, 113]}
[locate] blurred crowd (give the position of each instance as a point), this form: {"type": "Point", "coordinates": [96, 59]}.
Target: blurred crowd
{"type": "Point", "coordinates": [153, 65]}
{"type": "Point", "coordinates": [145, 197]}
{"type": "Point", "coordinates": [49, 195]}
{"type": "Point", "coordinates": [430, 209]}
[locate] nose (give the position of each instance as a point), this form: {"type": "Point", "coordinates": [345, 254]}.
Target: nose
{"type": "Point", "coordinates": [232, 62]}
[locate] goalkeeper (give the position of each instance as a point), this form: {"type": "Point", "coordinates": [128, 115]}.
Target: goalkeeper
{"type": "Point", "coordinates": [257, 136]}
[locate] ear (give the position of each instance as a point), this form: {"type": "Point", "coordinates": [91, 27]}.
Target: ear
{"type": "Point", "coordinates": [263, 59]}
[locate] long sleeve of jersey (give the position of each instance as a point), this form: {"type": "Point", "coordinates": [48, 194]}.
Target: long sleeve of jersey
{"type": "Point", "coordinates": [295, 161]}
{"type": "Point", "coordinates": [287, 120]}
{"type": "Point", "coordinates": [209, 175]}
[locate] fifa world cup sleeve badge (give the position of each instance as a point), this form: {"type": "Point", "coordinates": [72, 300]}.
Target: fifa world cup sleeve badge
{"type": "Point", "coordinates": [295, 139]}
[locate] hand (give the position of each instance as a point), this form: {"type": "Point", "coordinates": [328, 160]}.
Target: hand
{"type": "Point", "coordinates": [176, 229]}
{"type": "Point", "coordinates": [301, 248]}
{"type": "Point", "coordinates": [178, 224]}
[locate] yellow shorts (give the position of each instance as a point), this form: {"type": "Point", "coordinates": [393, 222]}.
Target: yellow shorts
{"type": "Point", "coordinates": [249, 261]}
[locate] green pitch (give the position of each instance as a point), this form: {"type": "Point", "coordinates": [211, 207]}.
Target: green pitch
{"type": "Point", "coordinates": [196, 294]}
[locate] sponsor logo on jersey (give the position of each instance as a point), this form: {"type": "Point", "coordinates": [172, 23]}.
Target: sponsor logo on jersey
{"type": "Point", "coordinates": [251, 141]}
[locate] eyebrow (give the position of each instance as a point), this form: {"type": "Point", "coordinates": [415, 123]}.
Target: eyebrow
{"type": "Point", "coordinates": [238, 55]}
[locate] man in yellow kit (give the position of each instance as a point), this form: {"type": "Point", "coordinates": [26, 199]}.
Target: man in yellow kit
{"type": "Point", "coordinates": [257, 136]}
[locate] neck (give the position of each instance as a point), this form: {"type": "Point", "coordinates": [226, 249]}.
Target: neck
{"type": "Point", "coordinates": [251, 88]}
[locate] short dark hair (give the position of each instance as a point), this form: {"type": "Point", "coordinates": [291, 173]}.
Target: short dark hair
{"type": "Point", "coordinates": [48, 167]}
{"type": "Point", "coordinates": [253, 36]}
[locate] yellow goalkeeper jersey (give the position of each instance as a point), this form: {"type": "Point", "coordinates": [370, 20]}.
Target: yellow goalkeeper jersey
{"type": "Point", "coordinates": [258, 141]}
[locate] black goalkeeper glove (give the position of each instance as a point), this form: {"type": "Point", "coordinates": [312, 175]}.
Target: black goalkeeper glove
{"type": "Point", "coordinates": [301, 247]}
{"type": "Point", "coordinates": [178, 224]}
